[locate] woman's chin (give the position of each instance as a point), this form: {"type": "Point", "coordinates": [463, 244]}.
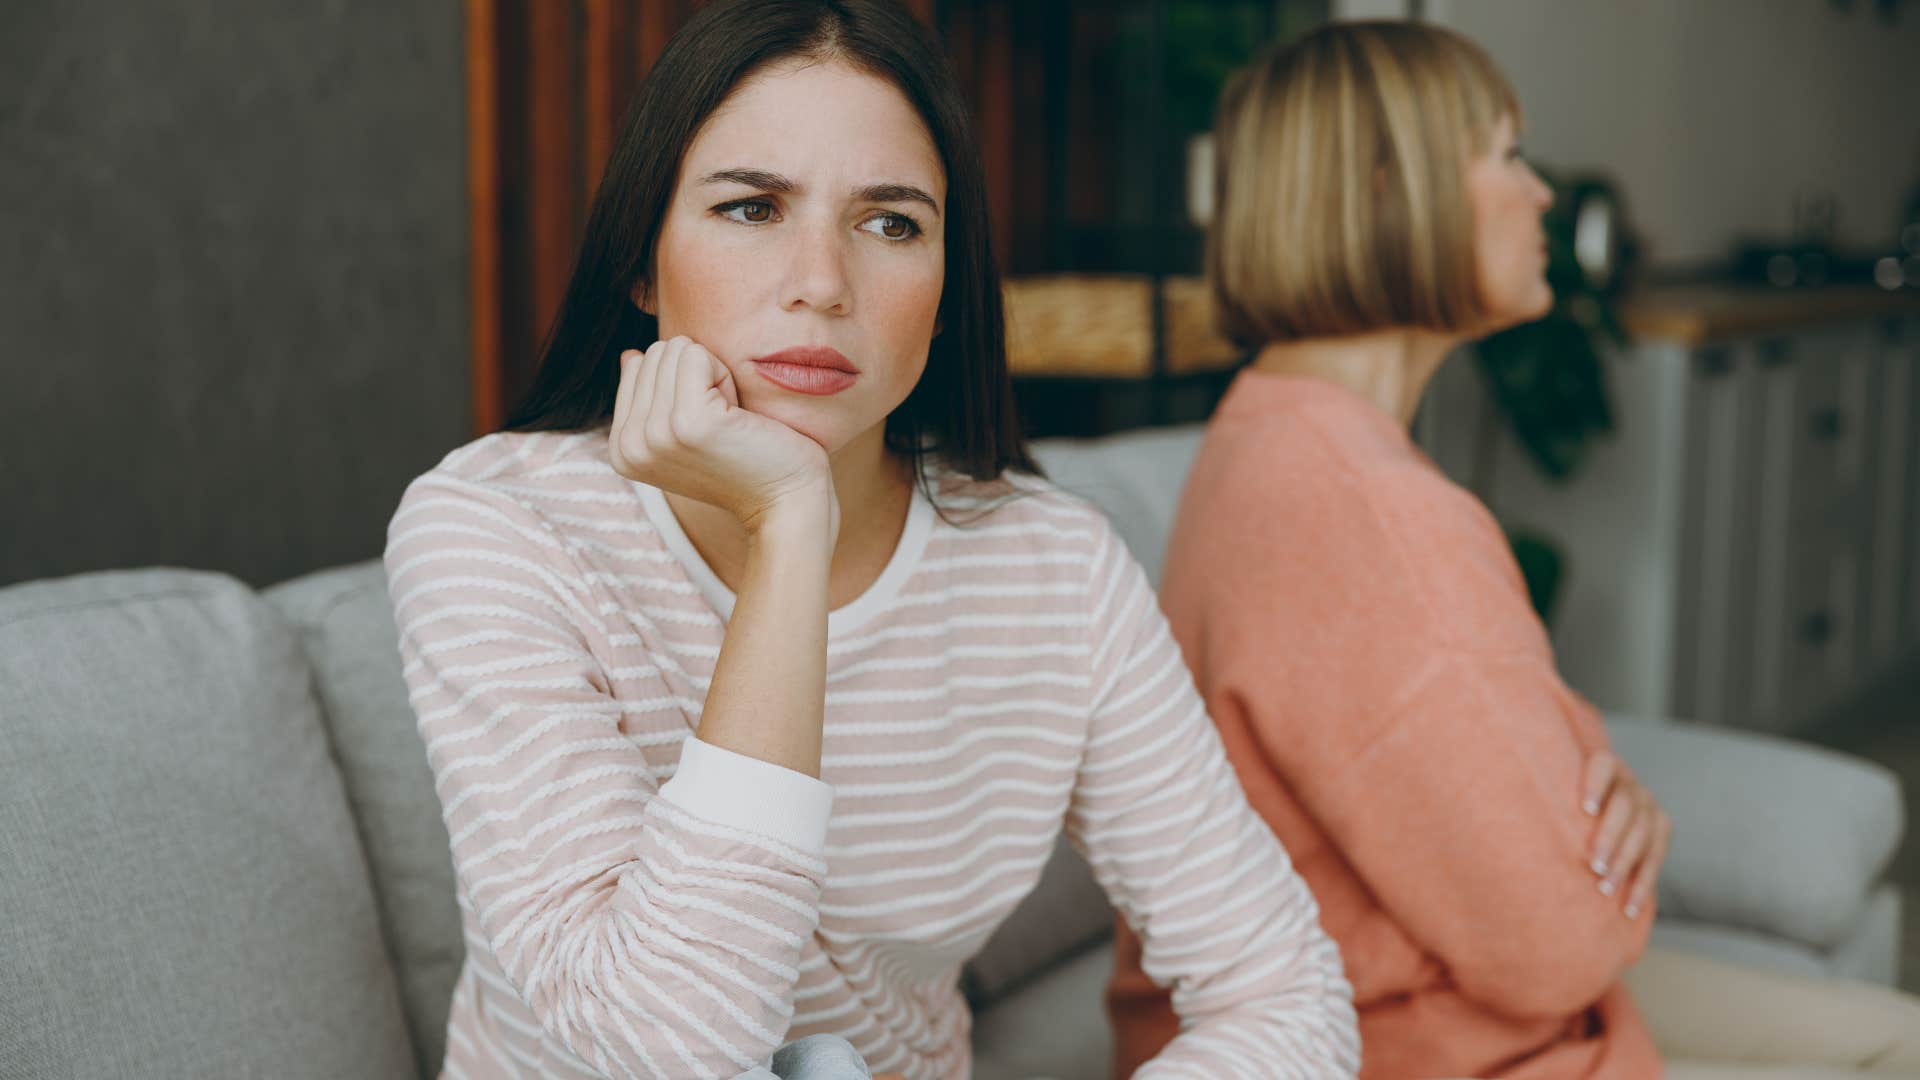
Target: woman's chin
{"type": "Point", "coordinates": [800, 417]}
{"type": "Point", "coordinates": [1534, 308]}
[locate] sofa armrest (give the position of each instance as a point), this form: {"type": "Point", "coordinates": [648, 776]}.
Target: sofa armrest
{"type": "Point", "coordinates": [1769, 834]}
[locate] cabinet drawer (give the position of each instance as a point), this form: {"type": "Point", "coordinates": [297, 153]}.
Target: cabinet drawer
{"type": "Point", "coordinates": [1819, 651]}
{"type": "Point", "coordinates": [1818, 422]}
{"type": "Point", "coordinates": [1893, 466]}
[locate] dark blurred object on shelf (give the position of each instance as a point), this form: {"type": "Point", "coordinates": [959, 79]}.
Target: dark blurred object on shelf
{"type": "Point", "coordinates": [1901, 269]}
{"type": "Point", "coordinates": [1888, 10]}
{"type": "Point", "coordinates": [1810, 260]}
{"type": "Point", "coordinates": [1590, 220]}
{"type": "Point", "coordinates": [1804, 261]}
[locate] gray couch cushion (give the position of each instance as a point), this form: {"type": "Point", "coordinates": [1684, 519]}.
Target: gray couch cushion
{"type": "Point", "coordinates": [347, 627]}
{"type": "Point", "coordinates": [1872, 951]}
{"type": "Point", "coordinates": [1780, 837]}
{"type": "Point", "coordinates": [1067, 912]}
{"type": "Point", "coordinates": [1053, 1027]}
{"type": "Point", "coordinates": [181, 888]}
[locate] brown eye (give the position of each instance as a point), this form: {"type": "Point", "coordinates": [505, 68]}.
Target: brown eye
{"type": "Point", "coordinates": [892, 226]}
{"type": "Point", "coordinates": [746, 211]}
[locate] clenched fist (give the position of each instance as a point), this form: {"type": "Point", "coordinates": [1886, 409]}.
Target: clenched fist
{"type": "Point", "coordinates": [678, 425]}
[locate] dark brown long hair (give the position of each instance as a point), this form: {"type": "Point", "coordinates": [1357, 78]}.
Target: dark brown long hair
{"type": "Point", "coordinates": [962, 409]}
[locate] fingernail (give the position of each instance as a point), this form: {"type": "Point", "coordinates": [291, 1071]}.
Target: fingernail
{"type": "Point", "coordinates": [1599, 865]}
{"type": "Point", "coordinates": [1606, 886]}
{"type": "Point", "coordinates": [1633, 909]}
{"type": "Point", "coordinates": [1591, 807]}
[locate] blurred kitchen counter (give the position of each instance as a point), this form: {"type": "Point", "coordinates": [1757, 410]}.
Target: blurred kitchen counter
{"type": "Point", "coordinates": [1698, 313]}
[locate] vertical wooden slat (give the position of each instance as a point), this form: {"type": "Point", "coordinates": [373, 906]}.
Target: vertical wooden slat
{"type": "Point", "coordinates": [993, 82]}
{"type": "Point", "coordinates": [1027, 206]}
{"type": "Point", "coordinates": [655, 22]}
{"type": "Point", "coordinates": [486, 408]}
{"type": "Point", "coordinates": [553, 149]}
{"type": "Point", "coordinates": [606, 86]}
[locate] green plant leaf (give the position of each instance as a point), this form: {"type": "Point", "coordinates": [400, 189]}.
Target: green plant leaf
{"type": "Point", "coordinates": [1542, 565]}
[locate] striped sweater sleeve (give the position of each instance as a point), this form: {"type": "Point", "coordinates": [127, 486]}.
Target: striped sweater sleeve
{"type": "Point", "coordinates": [1224, 919]}
{"type": "Point", "coordinates": [650, 935]}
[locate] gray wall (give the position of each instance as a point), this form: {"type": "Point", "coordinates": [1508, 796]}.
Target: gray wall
{"type": "Point", "coordinates": [233, 317]}
{"type": "Point", "coordinates": [1712, 114]}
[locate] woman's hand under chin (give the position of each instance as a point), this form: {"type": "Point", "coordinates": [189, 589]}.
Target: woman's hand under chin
{"type": "Point", "coordinates": [679, 426]}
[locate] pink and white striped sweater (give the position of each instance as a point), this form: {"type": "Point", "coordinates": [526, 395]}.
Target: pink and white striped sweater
{"type": "Point", "coordinates": [639, 903]}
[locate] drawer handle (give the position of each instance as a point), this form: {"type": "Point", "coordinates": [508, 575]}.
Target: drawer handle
{"type": "Point", "coordinates": [1714, 363]}
{"type": "Point", "coordinates": [1817, 629]}
{"type": "Point", "coordinates": [1827, 425]}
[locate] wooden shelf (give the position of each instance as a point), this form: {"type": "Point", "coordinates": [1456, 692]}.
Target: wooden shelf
{"type": "Point", "coordinates": [1101, 326]}
{"type": "Point", "coordinates": [1694, 314]}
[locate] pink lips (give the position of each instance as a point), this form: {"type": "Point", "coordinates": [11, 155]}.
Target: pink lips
{"type": "Point", "coordinates": [807, 369]}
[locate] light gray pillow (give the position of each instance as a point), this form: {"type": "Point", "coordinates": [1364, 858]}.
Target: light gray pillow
{"type": "Point", "coordinates": [181, 888]}
{"type": "Point", "coordinates": [1769, 834]}
{"type": "Point", "coordinates": [1134, 478]}
{"type": "Point", "coordinates": [346, 624]}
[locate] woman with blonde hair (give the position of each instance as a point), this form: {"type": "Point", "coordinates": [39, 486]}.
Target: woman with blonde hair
{"type": "Point", "coordinates": [1363, 636]}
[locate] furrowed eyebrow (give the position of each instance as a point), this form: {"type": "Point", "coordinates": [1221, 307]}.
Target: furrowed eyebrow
{"type": "Point", "coordinates": [753, 178]}
{"type": "Point", "coordinates": [897, 193]}
{"type": "Point", "coordinates": [774, 183]}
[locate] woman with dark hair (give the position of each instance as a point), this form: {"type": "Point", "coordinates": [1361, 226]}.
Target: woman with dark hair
{"type": "Point", "coordinates": [757, 667]}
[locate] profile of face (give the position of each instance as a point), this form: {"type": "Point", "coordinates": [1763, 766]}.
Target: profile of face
{"type": "Point", "coordinates": [1509, 243]}
{"type": "Point", "coordinates": [804, 247]}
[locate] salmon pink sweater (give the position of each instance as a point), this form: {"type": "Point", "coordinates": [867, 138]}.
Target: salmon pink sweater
{"type": "Point", "coordinates": [1364, 641]}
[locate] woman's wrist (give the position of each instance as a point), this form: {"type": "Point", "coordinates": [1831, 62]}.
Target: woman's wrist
{"type": "Point", "coordinates": [794, 523]}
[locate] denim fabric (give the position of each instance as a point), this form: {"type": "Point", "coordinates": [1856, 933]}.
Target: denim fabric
{"type": "Point", "coordinates": [816, 1057]}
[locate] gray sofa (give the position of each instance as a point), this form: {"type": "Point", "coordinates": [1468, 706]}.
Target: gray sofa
{"type": "Point", "coordinates": [221, 855]}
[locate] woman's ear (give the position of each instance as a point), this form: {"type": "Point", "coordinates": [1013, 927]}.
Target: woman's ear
{"type": "Point", "coordinates": [642, 295]}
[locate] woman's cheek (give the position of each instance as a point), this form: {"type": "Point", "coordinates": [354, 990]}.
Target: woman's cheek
{"type": "Point", "coordinates": [913, 307]}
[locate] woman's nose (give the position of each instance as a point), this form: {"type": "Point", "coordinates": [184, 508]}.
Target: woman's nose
{"type": "Point", "coordinates": [817, 272]}
{"type": "Point", "coordinates": [1542, 192]}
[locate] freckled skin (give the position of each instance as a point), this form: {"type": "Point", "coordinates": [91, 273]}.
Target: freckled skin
{"type": "Point", "coordinates": [818, 265]}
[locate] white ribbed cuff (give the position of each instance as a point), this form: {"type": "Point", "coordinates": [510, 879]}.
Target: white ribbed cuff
{"type": "Point", "coordinates": [751, 795]}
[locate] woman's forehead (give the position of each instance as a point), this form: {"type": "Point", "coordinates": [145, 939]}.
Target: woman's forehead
{"type": "Point", "coordinates": [827, 119]}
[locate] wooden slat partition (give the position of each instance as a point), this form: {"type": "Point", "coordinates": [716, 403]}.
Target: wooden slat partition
{"type": "Point", "coordinates": [548, 82]}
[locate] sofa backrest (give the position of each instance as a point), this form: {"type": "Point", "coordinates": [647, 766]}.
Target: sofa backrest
{"type": "Point", "coordinates": [1134, 478]}
{"type": "Point", "coordinates": [345, 623]}
{"type": "Point", "coordinates": [181, 892]}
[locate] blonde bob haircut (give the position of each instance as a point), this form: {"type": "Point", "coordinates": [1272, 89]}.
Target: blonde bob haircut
{"type": "Point", "coordinates": [1341, 183]}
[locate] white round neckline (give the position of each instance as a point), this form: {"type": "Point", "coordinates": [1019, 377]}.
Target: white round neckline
{"type": "Point", "coordinates": [906, 556]}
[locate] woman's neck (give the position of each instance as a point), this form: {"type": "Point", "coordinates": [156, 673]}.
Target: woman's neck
{"type": "Point", "coordinates": [874, 488]}
{"type": "Point", "coordinates": [1390, 368]}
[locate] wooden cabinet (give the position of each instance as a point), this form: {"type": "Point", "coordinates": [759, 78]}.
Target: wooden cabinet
{"type": "Point", "coordinates": [1745, 550]}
